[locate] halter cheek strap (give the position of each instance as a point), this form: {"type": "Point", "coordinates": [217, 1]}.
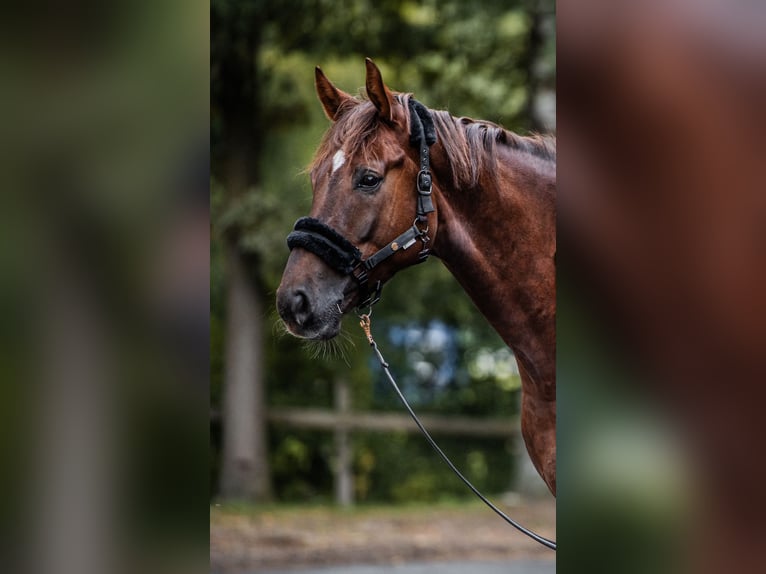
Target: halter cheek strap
{"type": "Point", "coordinates": [342, 255]}
{"type": "Point", "coordinates": [422, 135]}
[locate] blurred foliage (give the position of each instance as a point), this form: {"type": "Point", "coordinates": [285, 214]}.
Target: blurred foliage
{"type": "Point", "coordinates": [401, 467]}
{"type": "Point", "coordinates": [473, 58]}
{"type": "Point", "coordinates": [103, 289]}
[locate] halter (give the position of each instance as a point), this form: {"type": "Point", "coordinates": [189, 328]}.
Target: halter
{"type": "Point", "coordinates": [342, 255]}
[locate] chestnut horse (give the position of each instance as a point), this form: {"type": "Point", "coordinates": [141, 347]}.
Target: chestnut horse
{"type": "Point", "coordinates": [484, 202]}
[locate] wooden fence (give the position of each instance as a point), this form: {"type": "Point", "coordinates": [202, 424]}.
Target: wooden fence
{"type": "Point", "coordinates": [342, 420]}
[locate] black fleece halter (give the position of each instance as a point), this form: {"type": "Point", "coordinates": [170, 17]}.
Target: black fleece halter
{"type": "Point", "coordinates": [342, 255]}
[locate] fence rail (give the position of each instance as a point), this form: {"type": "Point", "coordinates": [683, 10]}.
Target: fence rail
{"type": "Point", "coordinates": [326, 419]}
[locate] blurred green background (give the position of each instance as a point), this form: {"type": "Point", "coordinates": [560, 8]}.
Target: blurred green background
{"type": "Point", "coordinates": [491, 60]}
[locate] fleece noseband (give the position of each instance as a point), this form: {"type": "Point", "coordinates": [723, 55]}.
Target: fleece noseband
{"type": "Point", "coordinates": [342, 255]}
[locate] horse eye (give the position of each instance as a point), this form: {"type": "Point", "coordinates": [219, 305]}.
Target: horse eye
{"type": "Point", "coordinates": [369, 181]}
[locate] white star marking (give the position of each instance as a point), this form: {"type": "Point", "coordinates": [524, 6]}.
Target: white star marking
{"type": "Point", "coordinates": [338, 160]}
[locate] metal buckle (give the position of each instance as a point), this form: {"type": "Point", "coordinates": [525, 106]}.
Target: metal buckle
{"type": "Point", "coordinates": [373, 297]}
{"type": "Point", "coordinates": [362, 276]}
{"type": "Point", "coordinates": [424, 182]}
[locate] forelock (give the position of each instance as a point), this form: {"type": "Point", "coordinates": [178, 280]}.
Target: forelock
{"type": "Point", "coordinates": [354, 130]}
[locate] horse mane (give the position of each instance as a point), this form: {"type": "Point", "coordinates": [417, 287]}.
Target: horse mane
{"type": "Point", "coordinates": [471, 145]}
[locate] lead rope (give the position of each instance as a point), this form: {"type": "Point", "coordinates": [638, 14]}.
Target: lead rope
{"type": "Point", "coordinates": [365, 324]}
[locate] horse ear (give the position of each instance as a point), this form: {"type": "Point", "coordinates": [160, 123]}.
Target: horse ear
{"type": "Point", "coordinates": [378, 93]}
{"type": "Point", "coordinates": [330, 96]}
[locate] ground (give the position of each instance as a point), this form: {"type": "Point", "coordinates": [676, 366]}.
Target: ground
{"type": "Point", "coordinates": [248, 539]}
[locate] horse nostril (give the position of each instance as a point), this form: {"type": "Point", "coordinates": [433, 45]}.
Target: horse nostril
{"type": "Point", "coordinates": [301, 307]}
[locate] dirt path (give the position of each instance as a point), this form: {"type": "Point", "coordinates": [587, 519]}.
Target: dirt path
{"type": "Point", "coordinates": [252, 540]}
{"type": "Point", "coordinates": [519, 566]}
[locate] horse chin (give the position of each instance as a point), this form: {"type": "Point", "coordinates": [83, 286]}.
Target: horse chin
{"type": "Point", "coordinates": [324, 327]}
{"type": "Point", "coordinates": [325, 333]}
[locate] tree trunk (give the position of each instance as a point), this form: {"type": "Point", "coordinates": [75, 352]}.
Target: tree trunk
{"type": "Point", "coordinates": [74, 499]}
{"type": "Point", "coordinates": [245, 469]}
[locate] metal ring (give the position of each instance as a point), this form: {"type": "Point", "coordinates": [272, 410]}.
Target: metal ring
{"type": "Point", "coordinates": [420, 231]}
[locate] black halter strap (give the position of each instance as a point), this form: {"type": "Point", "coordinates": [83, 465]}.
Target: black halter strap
{"type": "Point", "coordinates": [326, 243]}
{"type": "Point", "coordinates": [342, 255]}
{"type": "Point", "coordinates": [423, 135]}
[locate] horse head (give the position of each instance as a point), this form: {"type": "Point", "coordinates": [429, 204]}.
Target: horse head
{"type": "Point", "coordinates": [367, 218]}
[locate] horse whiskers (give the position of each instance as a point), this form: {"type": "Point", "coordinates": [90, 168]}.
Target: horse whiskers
{"type": "Point", "coordinates": [278, 326]}
{"type": "Point", "coordinates": [330, 349]}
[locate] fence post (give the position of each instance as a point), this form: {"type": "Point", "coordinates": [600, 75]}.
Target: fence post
{"type": "Point", "coordinates": [344, 485]}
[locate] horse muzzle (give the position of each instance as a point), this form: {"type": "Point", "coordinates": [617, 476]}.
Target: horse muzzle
{"type": "Point", "coordinates": [307, 318]}
{"type": "Point", "coordinates": [310, 297]}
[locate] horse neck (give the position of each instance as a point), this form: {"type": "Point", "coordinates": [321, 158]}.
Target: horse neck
{"type": "Point", "coordinates": [498, 240]}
